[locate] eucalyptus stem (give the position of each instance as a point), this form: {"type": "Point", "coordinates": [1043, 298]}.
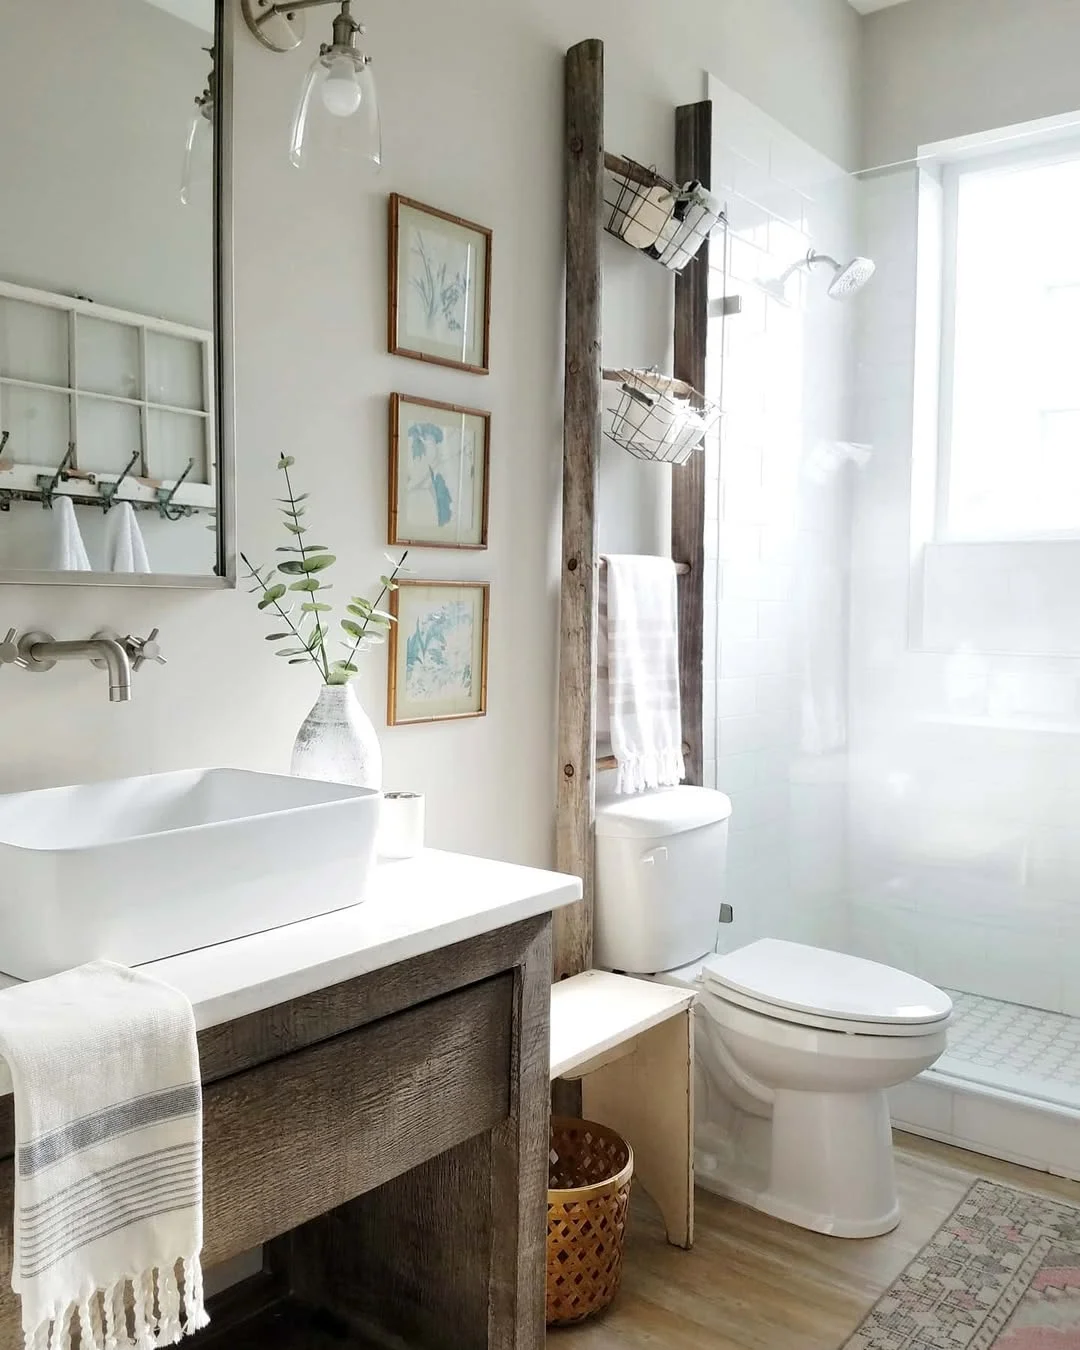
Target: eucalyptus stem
{"type": "Point", "coordinates": [320, 660]}
{"type": "Point", "coordinates": [303, 571]}
{"type": "Point", "coordinates": [256, 575]}
{"type": "Point", "coordinates": [381, 596]}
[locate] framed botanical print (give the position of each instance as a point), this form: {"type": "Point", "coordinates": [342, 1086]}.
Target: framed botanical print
{"type": "Point", "coordinates": [440, 286]}
{"type": "Point", "coordinates": [439, 457]}
{"type": "Point", "coordinates": [438, 651]}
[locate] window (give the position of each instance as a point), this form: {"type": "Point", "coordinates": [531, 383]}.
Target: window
{"type": "Point", "coordinates": [1010, 394]}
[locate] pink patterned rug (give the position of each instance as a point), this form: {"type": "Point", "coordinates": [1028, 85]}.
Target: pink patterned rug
{"type": "Point", "coordinates": [1002, 1272]}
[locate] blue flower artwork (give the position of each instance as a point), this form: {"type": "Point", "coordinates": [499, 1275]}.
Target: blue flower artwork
{"type": "Point", "coordinates": [439, 651]}
{"type": "Point", "coordinates": [438, 461]}
{"type": "Point", "coordinates": [440, 472]}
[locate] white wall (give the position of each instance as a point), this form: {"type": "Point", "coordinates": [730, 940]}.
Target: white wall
{"type": "Point", "coordinates": [91, 157]}
{"type": "Point", "coordinates": [965, 777]}
{"type": "Point", "coordinates": [935, 69]}
{"type": "Point", "coordinates": [472, 96]}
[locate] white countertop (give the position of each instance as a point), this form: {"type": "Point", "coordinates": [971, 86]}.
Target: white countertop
{"type": "Point", "coordinates": [411, 908]}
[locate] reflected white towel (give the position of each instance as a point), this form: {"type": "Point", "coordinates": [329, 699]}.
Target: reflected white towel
{"type": "Point", "coordinates": [108, 1159]}
{"type": "Point", "coordinates": [68, 550]}
{"type": "Point", "coordinates": [125, 550]}
{"type": "Point", "coordinates": [642, 621]}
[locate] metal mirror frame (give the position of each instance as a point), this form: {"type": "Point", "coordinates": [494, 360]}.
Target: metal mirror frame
{"type": "Point", "coordinates": [224, 381]}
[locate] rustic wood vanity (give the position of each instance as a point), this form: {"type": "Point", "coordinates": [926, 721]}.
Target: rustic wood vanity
{"type": "Point", "coordinates": [375, 1116]}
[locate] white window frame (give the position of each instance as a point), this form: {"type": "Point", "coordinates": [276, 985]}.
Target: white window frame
{"type": "Point", "coordinates": [1054, 148]}
{"type": "Point", "coordinates": [141, 485]}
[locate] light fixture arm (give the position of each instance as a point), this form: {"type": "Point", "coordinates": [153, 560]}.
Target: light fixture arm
{"type": "Point", "coordinates": [280, 27]}
{"type": "Point", "coordinates": [272, 11]}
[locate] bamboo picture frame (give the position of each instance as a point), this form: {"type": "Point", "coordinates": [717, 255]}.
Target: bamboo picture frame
{"type": "Point", "coordinates": [438, 651]}
{"type": "Point", "coordinates": [439, 474]}
{"type": "Point", "coordinates": [439, 281]}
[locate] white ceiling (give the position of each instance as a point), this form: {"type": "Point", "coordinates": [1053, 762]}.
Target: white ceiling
{"type": "Point", "coordinates": [197, 12]}
{"type": "Point", "coordinates": [868, 6]}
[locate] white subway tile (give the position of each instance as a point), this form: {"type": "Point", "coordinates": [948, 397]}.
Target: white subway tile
{"type": "Point", "coordinates": [736, 697]}
{"type": "Point", "coordinates": [775, 693]}
{"type": "Point", "coordinates": [736, 774]}
{"type": "Point", "coordinates": [774, 619]}
{"type": "Point", "coordinates": [740, 735]}
{"type": "Point", "coordinates": [737, 619]}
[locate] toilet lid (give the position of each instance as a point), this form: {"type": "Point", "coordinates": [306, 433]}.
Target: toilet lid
{"type": "Point", "coordinates": [788, 975]}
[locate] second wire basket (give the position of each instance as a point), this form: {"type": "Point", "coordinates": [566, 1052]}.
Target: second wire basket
{"type": "Point", "coordinates": [655, 417]}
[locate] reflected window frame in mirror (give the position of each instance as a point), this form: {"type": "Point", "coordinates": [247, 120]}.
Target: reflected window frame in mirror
{"type": "Point", "coordinates": [204, 358]}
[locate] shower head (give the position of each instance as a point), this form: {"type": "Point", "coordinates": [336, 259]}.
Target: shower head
{"type": "Point", "coordinates": [849, 278]}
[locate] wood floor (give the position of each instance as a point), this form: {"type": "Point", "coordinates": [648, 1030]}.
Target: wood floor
{"type": "Point", "coordinates": [753, 1283]}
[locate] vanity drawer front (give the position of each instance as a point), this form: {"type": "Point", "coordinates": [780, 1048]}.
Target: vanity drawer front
{"type": "Point", "coordinates": [291, 1139]}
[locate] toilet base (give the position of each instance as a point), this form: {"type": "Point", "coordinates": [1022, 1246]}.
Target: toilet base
{"type": "Point", "coordinates": [828, 1166]}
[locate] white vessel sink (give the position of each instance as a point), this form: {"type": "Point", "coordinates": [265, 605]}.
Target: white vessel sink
{"type": "Point", "coordinates": [143, 868]}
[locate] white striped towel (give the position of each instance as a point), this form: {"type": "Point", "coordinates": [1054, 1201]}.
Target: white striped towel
{"type": "Point", "coordinates": [108, 1159]}
{"type": "Point", "coordinates": [642, 624]}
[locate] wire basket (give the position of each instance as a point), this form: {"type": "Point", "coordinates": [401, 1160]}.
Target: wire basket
{"type": "Point", "coordinates": [590, 1168]}
{"type": "Point", "coordinates": [657, 418]}
{"type": "Point", "coordinates": [651, 214]}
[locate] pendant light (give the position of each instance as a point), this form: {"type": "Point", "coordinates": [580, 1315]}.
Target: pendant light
{"type": "Point", "coordinates": [339, 89]}
{"type": "Point", "coordinates": [199, 146]}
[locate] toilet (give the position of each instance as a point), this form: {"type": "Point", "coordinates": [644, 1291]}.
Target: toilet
{"type": "Point", "coordinates": [795, 1046]}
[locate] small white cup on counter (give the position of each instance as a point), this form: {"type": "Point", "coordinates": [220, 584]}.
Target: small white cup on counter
{"type": "Point", "coordinates": [401, 825]}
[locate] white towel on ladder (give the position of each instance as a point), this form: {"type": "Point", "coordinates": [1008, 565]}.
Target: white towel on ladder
{"type": "Point", "coordinates": [68, 550]}
{"type": "Point", "coordinates": [125, 550]}
{"type": "Point", "coordinates": [108, 1159]}
{"type": "Point", "coordinates": [642, 624]}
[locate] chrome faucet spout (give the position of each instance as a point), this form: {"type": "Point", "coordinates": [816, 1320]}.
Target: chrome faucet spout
{"type": "Point", "coordinates": [38, 652]}
{"type": "Point", "coordinates": [104, 651]}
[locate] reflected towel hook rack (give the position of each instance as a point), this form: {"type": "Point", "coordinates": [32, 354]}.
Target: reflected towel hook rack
{"type": "Point", "coordinates": [49, 483]}
{"type": "Point", "coordinates": [165, 496]}
{"type": "Point", "coordinates": [109, 490]}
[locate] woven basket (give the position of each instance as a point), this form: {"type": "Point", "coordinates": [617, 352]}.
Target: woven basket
{"type": "Point", "coordinates": [588, 1195]}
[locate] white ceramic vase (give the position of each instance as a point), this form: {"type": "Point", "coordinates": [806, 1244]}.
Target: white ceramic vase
{"type": "Point", "coordinates": [337, 742]}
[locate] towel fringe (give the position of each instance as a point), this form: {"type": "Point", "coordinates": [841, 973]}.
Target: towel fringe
{"type": "Point", "coordinates": [195, 1314]}
{"type": "Point", "coordinates": [638, 773]}
{"type": "Point", "coordinates": [115, 1301]}
{"type": "Point", "coordinates": [164, 1310]}
{"type": "Point", "coordinates": [169, 1328]}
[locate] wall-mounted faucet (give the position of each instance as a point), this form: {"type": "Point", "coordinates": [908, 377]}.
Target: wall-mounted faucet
{"type": "Point", "coordinates": [39, 652]}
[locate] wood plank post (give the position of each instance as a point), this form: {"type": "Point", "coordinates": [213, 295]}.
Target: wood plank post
{"type": "Point", "coordinates": [576, 800]}
{"type": "Point", "coordinates": [693, 159]}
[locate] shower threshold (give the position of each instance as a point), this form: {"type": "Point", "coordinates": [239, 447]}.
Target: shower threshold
{"type": "Point", "coordinates": [1007, 1086]}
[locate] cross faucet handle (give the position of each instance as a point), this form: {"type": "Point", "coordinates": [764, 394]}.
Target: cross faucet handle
{"type": "Point", "coordinates": [9, 651]}
{"type": "Point", "coordinates": [144, 649]}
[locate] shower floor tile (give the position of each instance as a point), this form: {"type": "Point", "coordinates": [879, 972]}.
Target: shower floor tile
{"type": "Point", "coordinates": [1015, 1048]}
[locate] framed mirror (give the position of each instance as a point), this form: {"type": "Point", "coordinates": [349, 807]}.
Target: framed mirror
{"type": "Point", "coordinates": [116, 446]}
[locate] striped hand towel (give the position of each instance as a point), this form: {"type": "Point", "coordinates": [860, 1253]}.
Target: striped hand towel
{"type": "Point", "coordinates": [642, 624]}
{"type": "Point", "coordinates": [108, 1159]}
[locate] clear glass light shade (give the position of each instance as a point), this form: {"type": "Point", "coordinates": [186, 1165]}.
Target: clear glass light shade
{"type": "Point", "coordinates": [339, 104]}
{"type": "Point", "coordinates": [198, 154]}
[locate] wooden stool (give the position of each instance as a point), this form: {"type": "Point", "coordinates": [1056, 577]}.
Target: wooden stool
{"type": "Point", "coordinates": [631, 1042]}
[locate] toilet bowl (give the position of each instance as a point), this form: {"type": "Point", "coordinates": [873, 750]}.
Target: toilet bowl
{"type": "Point", "coordinates": [810, 1070]}
{"type": "Point", "coordinates": [795, 1046]}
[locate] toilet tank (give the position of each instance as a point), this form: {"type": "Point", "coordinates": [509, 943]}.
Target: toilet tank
{"type": "Point", "coordinates": [660, 865]}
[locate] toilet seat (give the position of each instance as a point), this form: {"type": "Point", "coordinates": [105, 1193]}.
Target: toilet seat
{"type": "Point", "coordinates": [809, 986]}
